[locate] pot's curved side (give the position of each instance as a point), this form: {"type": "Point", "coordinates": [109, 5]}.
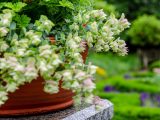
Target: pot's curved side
{"type": "Point", "coordinates": [31, 99]}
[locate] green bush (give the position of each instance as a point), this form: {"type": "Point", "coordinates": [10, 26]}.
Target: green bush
{"type": "Point", "coordinates": [135, 8]}
{"type": "Point", "coordinates": [108, 8]}
{"type": "Point", "coordinates": [127, 106]}
{"type": "Point", "coordinates": [131, 85]}
{"type": "Point", "coordinates": [136, 113]}
{"type": "Point", "coordinates": [131, 99]}
{"type": "Point", "coordinates": [142, 74]}
{"type": "Point", "coordinates": [155, 64]}
{"type": "Point", "coordinates": [145, 31]}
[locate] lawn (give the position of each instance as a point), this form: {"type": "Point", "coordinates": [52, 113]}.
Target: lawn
{"type": "Point", "coordinates": [134, 93]}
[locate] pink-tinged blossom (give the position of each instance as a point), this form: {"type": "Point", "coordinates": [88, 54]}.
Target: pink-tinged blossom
{"type": "Point", "coordinates": [88, 83]}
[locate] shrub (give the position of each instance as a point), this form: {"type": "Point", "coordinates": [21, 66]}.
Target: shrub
{"type": "Point", "coordinates": [143, 74]}
{"type": "Point", "coordinates": [135, 8]}
{"type": "Point", "coordinates": [155, 64]}
{"type": "Point", "coordinates": [127, 107]}
{"type": "Point", "coordinates": [145, 31]}
{"type": "Point", "coordinates": [108, 8]}
{"type": "Point", "coordinates": [138, 85]}
{"type": "Point", "coordinates": [131, 99]}
{"type": "Point", "coordinates": [136, 113]}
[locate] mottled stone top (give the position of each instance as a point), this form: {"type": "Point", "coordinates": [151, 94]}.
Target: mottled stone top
{"type": "Point", "coordinates": [83, 112]}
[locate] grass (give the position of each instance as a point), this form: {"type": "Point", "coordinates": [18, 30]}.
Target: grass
{"type": "Point", "coordinates": [130, 99]}
{"type": "Point", "coordinates": [136, 113]}
{"type": "Point", "coordinates": [126, 97]}
{"type": "Point", "coordinates": [114, 64]}
{"type": "Point", "coordinates": [131, 85]}
{"type": "Point", "coordinates": [127, 107]}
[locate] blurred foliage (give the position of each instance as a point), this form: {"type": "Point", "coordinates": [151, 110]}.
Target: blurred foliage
{"type": "Point", "coordinates": [155, 64]}
{"type": "Point", "coordinates": [114, 64]}
{"type": "Point", "coordinates": [145, 31]}
{"type": "Point", "coordinates": [108, 8]}
{"type": "Point", "coordinates": [126, 98]}
{"type": "Point", "coordinates": [130, 85]}
{"type": "Point", "coordinates": [131, 99]}
{"type": "Point", "coordinates": [134, 8]}
{"type": "Point", "coordinates": [136, 113]}
{"type": "Point", "coordinates": [143, 74]}
{"type": "Point", "coordinates": [127, 107]}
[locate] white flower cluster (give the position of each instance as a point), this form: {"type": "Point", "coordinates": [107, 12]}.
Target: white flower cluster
{"type": "Point", "coordinates": [44, 24]}
{"type": "Point", "coordinates": [100, 31]}
{"type": "Point", "coordinates": [15, 73]}
{"type": "Point", "coordinates": [80, 80]}
{"type": "Point", "coordinates": [27, 56]}
{"type": "Point", "coordinates": [5, 21]}
{"type": "Point", "coordinates": [74, 47]}
{"type": "Point", "coordinates": [78, 77]}
{"type": "Point", "coordinates": [96, 30]}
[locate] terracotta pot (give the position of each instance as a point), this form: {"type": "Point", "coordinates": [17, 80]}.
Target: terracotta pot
{"type": "Point", "coordinates": [30, 98]}
{"type": "Point", "coordinates": [52, 40]}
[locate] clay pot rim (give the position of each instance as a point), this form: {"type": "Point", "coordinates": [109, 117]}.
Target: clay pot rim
{"type": "Point", "coordinates": [34, 111]}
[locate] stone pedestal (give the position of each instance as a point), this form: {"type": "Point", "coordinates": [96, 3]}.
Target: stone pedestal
{"type": "Point", "coordinates": [83, 112]}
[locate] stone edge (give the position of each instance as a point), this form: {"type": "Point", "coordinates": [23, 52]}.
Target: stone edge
{"type": "Point", "coordinates": [106, 113]}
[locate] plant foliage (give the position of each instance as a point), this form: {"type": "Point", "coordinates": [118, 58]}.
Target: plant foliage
{"type": "Point", "coordinates": [145, 31]}
{"type": "Point", "coordinates": [135, 8]}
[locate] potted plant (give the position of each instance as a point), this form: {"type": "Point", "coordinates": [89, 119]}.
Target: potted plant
{"type": "Point", "coordinates": [145, 34]}
{"type": "Point", "coordinates": [32, 65]}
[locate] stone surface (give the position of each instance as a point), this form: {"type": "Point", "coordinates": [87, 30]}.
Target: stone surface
{"type": "Point", "coordinates": [83, 112]}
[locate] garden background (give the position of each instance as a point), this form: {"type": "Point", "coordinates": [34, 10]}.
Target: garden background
{"type": "Point", "coordinates": [132, 82]}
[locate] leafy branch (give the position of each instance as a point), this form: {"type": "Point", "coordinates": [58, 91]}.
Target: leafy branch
{"type": "Point", "coordinates": [16, 7]}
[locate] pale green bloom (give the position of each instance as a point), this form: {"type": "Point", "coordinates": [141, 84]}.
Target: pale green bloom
{"type": "Point", "coordinates": [94, 27]}
{"type": "Point", "coordinates": [3, 97]}
{"type": "Point", "coordinates": [3, 31]}
{"type": "Point", "coordinates": [11, 87]}
{"type": "Point", "coordinates": [3, 46]}
{"type": "Point", "coordinates": [67, 75]}
{"type": "Point", "coordinates": [51, 87]}
{"type": "Point", "coordinates": [20, 51]}
{"type": "Point", "coordinates": [43, 24]}
{"type": "Point", "coordinates": [89, 98]}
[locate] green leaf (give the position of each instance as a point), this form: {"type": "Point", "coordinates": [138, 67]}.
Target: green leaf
{"type": "Point", "coordinates": [13, 26]}
{"type": "Point", "coordinates": [1, 5]}
{"type": "Point", "coordinates": [22, 20]}
{"type": "Point", "coordinates": [15, 6]}
{"type": "Point", "coordinates": [66, 3]}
